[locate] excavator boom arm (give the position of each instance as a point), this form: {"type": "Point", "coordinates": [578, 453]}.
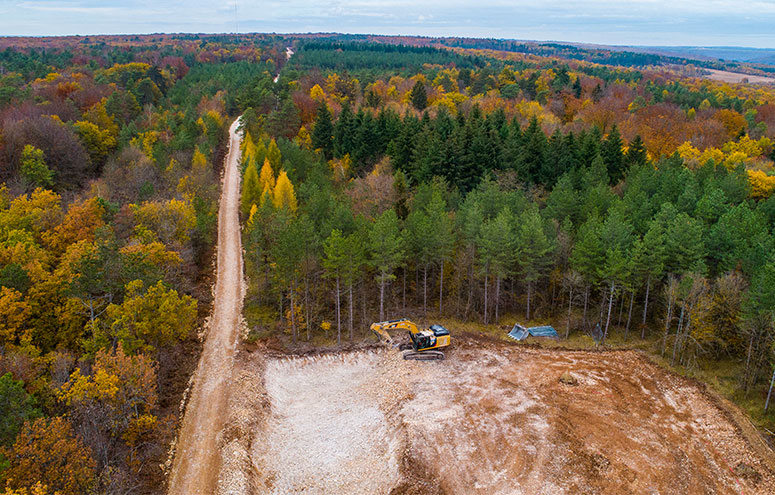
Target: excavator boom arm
{"type": "Point", "coordinates": [381, 328]}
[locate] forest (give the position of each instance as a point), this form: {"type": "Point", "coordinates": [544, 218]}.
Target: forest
{"type": "Point", "coordinates": [469, 185]}
{"type": "Point", "coordinates": [534, 188]}
{"type": "Point", "coordinates": [110, 155]}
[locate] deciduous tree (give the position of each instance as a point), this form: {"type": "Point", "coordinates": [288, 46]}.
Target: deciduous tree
{"type": "Point", "coordinates": [33, 169]}
{"type": "Point", "coordinates": [47, 451]}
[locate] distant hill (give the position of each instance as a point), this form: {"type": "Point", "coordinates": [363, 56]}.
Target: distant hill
{"type": "Point", "coordinates": [725, 53]}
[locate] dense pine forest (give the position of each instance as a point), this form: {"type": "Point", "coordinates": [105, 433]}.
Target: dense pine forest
{"type": "Point", "coordinates": [465, 184]}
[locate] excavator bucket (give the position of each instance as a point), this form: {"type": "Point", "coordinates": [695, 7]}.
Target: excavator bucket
{"type": "Point", "coordinates": [381, 333]}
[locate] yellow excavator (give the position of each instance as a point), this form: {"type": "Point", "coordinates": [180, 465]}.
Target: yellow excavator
{"type": "Point", "coordinates": [423, 345]}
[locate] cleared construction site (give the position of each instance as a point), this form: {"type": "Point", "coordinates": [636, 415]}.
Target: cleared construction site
{"type": "Point", "coordinates": [485, 416]}
{"type": "Point", "coordinates": [491, 418]}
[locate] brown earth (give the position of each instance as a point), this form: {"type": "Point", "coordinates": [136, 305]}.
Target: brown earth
{"type": "Point", "coordinates": [737, 77]}
{"type": "Point", "coordinates": [196, 463]}
{"type": "Point", "coordinates": [493, 418]}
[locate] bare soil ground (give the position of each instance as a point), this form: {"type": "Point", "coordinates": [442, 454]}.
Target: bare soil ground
{"type": "Point", "coordinates": [493, 418]}
{"type": "Point", "coordinates": [737, 77]}
{"type": "Point", "coordinates": [196, 464]}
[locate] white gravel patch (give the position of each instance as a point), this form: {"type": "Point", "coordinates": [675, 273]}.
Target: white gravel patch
{"type": "Point", "coordinates": [324, 434]}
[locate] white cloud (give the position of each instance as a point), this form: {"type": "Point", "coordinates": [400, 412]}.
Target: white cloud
{"type": "Point", "coordinates": [663, 22]}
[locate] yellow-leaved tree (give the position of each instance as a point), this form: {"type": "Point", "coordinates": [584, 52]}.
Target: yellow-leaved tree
{"type": "Point", "coordinates": [274, 156]}
{"type": "Point", "coordinates": [251, 189]}
{"type": "Point", "coordinates": [284, 196]}
{"type": "Point", "coordinates": [266, 181]}
{"type": "Point", "coordinates": [247, 147]}
{"type": "Point", "coordinates": [82, 220]}
{"type": "Point", "coordinates": [14, 311]}
{"type": "Point", "coordinates": [317, 93]}
{"type": "Point", "coordinates": [762, 185]}
{"type": "Point", "coordinates": [119, 397]}
{"type": "Point", "coordinates": [48, 452]}
{"type": "Point", "coordinates": [173, 220]}
{"type": "Point", "coordinates": [148, 320]}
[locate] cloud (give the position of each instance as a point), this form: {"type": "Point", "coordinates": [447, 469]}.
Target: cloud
{"type": "Point", "coordinates": [644, 22]}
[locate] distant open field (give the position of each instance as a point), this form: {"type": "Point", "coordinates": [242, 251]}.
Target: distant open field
{"type": "Point", "coordinates": [492, 418]}
{"type": "Point", "coordinates": [736, 77]}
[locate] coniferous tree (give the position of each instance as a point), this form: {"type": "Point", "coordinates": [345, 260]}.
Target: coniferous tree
{"type": "Point", "coordinates": [266, 182]}
{"type": "Point", "coordinates": [335, 263]}
{"type": "Point", "coordinates": [534, 250]}
{"type": "Point", "coordinates": [323, 131]}
{"type": "Point", "coordinates": [558, 160]}
{"type": "Point", "coordinates": [588, 255]}
{"type": "Point", "coordinates": [288, 254]}
{"type": "Point", "coordinates": [284, 195]}
{"type": "Point", "coordinates": [740, 239]}
{"type": "Point", "coordinates": [495, 248]}
{"type": "Point", "coordinates": [611, 151]}
{"type": "Point", "coordinates": [577, 87]}
{"type": "Point", "coordinates": [649, 262]}
{"type": "Point", "coordinates": [759, 308]}
{"type": "Point", "coordinates": [563, 201]}
{"type": "Point", "coordinates": [344, 132]}
{"type": "Point", "coordinates": [597, 94]}
{"type": "Point", "coordinates": [251, 188]}
{"type": "Point", "coordinates": [356, 249]}
{"type": "Point", "coordinates": [533, 153]}
{"type": "Point", "coordinates": [616, 237]}
{"type": "Point", "coordinates": [636, 153]}
{"type": "Point", "coordinates": [589, 147]}
{"type": "Point", "coordinates": [402, 148]}
{"type": "Point", "coordinates": [16, 408]}
{"type": "Point", "coordinates": [274, 156]}
{"type": "Point", "coordinates": [418, 96]}
{"type": "Point", "coordinates": [419, 243]}
{"type": "Point", "coordinates": [684, 241]}
{"type": "Point", "coordinates": [386, 250]}
{"type": "Point", "coordinates": [401, 192]}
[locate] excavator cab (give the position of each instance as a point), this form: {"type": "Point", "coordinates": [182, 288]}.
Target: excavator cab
{"type": "Point", "coordinates": [424, 343]}
{"type": "Point", "coordinates": [434, 337]}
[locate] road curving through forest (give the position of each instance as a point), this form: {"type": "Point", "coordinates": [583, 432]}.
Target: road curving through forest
{"type": "Point", "coordinates": [197, 460]}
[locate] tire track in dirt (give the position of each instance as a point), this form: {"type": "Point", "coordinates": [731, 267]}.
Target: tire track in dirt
{"type": "Point", "coordinates": [197, 460]}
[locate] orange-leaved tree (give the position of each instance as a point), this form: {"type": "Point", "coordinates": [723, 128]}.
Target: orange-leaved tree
{"type": "Point", "coordinates": [48, 452]}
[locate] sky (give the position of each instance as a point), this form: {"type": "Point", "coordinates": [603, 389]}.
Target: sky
{"type": "Point", "coordinates": [623, 22]}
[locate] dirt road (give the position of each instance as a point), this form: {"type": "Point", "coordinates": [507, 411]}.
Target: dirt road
{"type": "Point", "coordinates": [197, 462]}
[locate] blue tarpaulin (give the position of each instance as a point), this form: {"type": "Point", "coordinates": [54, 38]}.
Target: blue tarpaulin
{"type": "Point", "coordinates": [545, 331]}
{"type": "Point", "coordinates": [519, 332]}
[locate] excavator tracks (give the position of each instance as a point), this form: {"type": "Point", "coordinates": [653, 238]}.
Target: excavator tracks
{"type": "Point", "coordinates": [424, 355]}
